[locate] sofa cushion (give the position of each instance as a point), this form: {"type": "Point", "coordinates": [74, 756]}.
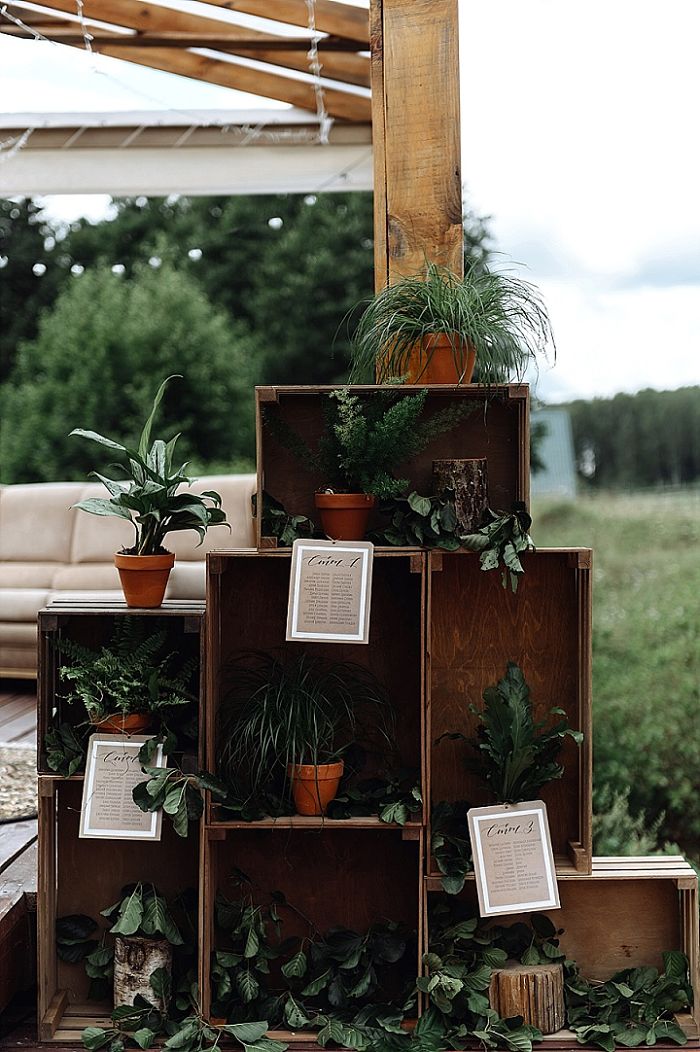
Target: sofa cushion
{"type": "Point", "coordinates": [188, 580]}
{"type": "Point", "coordinates": [36, 522]}
{"type": "Point", "coordinates": [27, 575]}
{"type": "Point", "coordinates": [236, 492]}
{"type": "Point", "coordinates": [14, 634]}
{"type": "Point", "coordinates": [95, 537]}
{"type": "Point", "coordinates": [22, 604]}
{"type": "Point", "coordinates": [18, 659]}
{"type": "Point", "coordinates": [87, 577]}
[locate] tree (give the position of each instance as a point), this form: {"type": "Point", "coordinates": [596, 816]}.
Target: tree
{"type": "Point", "coordinates": [97, 360]}
{"type": "Point", "coordinates": [26, 243]}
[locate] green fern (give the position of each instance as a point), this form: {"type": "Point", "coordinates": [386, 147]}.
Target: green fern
{"type": "Point", "coordinates": [134, 672]}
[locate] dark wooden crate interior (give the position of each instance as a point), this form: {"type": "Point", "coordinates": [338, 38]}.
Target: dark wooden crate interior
{"type": "Point", "coordinates": [495, 430]}
{"type": "Point", "coordinates": [94, 630]}
{"type": "Point", "coordinates": [476, 627]}
{"type": "Point", "coordinates": [91, 873]}
{"type": "Point", "coordinates": [609, 924]}
{"type": "Point", "coordinates": [333, 878]}
{"type": "Point", "coordinates": [248, 607]}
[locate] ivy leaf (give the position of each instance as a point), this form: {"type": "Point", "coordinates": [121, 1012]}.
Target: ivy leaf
{"type": "Point", "coordinates": [248, 986]}
{"type": "Point", "coordinates": [160, 982]}
{"type": "Point", "coordinates": [296, 966]}
{"type": "Point", "coordinates": [130, 914]}
{"type": "Point", "coordinates": [246, 1033]}
{"type": "Point", "coordinates": [144, 1037]}
{"type": "Point", "coordinates": [94, 1037]}
{"type": "Point", "coordinates": [316, 985]}
{"type": "Point", "coordinates": [252, 943]}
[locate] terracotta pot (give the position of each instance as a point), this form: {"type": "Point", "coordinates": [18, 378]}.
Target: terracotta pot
{"type": "Point", "coordinates": [144, 578]}
{"type": "Point", "coordinates": [344, 515]}
{"type": "Point", "coordinates": [132, 723]}
{"type": "Point", "coordinates": [433, 361]}
{"type": "Point", "coordinates": [313, 787]}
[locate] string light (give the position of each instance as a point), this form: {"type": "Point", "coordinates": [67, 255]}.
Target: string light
{"type": "Point", "coordinates": [325, 123]}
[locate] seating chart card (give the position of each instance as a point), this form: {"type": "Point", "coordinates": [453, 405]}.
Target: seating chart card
{"type": "Point", "coordinates": [330, 590]}
{"type": "Point", "coordinates": [513, 860]}
{"type": "Point", "coordinates": [111, 772]}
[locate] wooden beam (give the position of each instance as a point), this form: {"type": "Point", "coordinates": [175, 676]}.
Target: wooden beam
{"type": "Point", "coordinates": [339, 104]}
{"type": "Point", "coordinates": [331, 16]}
{"type": "Point", "coordinates": [415, 92]}
{"type": "Point", "coordinates": [187, 30]}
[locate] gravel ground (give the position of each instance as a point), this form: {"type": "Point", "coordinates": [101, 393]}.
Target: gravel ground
{"type": "Point", "coordinates": [17, 781]}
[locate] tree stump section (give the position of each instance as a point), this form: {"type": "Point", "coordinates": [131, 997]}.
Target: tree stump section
{"type": "Point", "coordinates": [135, 959]}
{"type": "Point", "coordinates": [469, 480]}
{"type": "Point", "coordinates": [535, 992]}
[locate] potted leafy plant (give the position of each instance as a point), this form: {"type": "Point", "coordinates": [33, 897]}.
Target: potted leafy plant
{"type": "Point", "coordinates": [295, 717]}
{"type": "Point", "coordinates": [435, 326]}
{"type": "Point", "coordinates": [129, 681]}
{"type": "Point", "coordinates": [145, 935]}
{"type": "Point", "coordinates": [365, 439]}
{"type": "Point", "coordinates": [147, 496]}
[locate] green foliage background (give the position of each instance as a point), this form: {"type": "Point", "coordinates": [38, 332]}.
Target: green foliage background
{"type": "Point", "coordinates": [646, 662]}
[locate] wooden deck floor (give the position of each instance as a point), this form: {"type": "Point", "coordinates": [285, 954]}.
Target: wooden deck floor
{"type": "Point", "coordinates": [17, 713]}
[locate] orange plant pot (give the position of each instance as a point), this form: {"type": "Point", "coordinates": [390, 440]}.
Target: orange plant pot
{"type": "Point", "coordinates": [144, 578]}
{"type": "Point", "coordinates": [313, 787]}
{"type": "Point", "coordinates": [131, 723]}
{"type": "Point", "coordinates": [344, 515]}
{"type": "Point", "coordinates": [432, 361]}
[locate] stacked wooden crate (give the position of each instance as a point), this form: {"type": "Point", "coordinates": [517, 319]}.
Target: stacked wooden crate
{"type": "Point", "coordinates": [441, 631]}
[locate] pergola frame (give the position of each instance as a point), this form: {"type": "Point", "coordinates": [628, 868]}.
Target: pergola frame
{"type": "Point", "coordinates": [412, 67]}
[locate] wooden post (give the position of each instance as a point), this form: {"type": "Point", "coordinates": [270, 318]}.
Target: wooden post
{"type": "Point", "coordinates": [416, 137]}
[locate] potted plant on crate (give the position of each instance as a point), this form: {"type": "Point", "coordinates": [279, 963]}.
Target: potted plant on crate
{"type": "Point", "coordinates": [435, 327]}
{"type": "Point", "coordinates": [147, 497]}
{"type": "Point", "coordinates": [129, 682]}
{"type": "Point", "coordinates": [294, 719]}
{"type": "Point", "coordinates": [365, 439]}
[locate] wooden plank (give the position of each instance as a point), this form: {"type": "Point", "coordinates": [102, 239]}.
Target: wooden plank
{"type": "Point", "coordinates": [331, 16]}
{"type": "Point", "coordinates": [381, 216]}
{"type": "Point", "coordinates": [16, 837]}
{"type": "Point", "coordinates": [20, 726]}
{"type": "Point", "coordinates": [418, 79]}
{"type": "Point", "coordinates": [312, 822]}
{"type": "Point", "coordinates": [339, 104]}
{"type": "Point", "coordinates": [164, 26]}
{"type": "Point", "coordinates": [46, 915]}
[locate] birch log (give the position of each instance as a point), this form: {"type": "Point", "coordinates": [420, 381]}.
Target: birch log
{"type": "Point", "coordinates": [535, 992]}
{"type": "Point", "coordinates": [469, 480]}
{"type": "Point", "coordinates": [135, 960]}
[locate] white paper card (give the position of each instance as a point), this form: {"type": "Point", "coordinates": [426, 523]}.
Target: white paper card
{"type": "Point", "coordinates": [513, 860]}
{"type": "Point", "coordinates": [330, 591]}
{"type": "Point", "coordinates": [112, 770]}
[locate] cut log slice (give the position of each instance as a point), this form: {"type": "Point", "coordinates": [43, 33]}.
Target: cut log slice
{"type": "Point", "coordinates": [535, 992]}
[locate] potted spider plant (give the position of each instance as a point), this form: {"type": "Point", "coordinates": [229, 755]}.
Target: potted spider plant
{"type": "Point", "coordinates": [147, 497]}
{"type": "Point", "coordinates": [130, 682]}
{"type": "Point", "coordinates": [435, 327]}
{"type": "Point", "coordinates": [289, 720]}
{"type": "Point", "coordinates": [365, 438]}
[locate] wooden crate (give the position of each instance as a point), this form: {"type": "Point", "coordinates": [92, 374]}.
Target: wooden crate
{"type": "Point", "coordinates": [497, 430]}
{"type": "Point", "coordinates": [86, 876]}
{"type": "Point", "coordinates": [332, 876]}
{"type": "Point", "coordinates": [247, 594]}
{"type": "Point", "coordinates": [624, 914]}
{"type": "Point", "coordinates": [474, 627]}
{"type": "Point", "coordinates": [91, 623]}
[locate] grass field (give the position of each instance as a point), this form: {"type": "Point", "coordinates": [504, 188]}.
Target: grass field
{"type": "Point", "coordinates": [646, 657]}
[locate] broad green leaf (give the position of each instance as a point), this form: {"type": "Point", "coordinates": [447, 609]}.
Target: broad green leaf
{"type": "Point", "coordinates": [296, 966]}
{"type": "Point", "coordinates": [247, 1033]}
{"type": "Point", "coordinates": [144, 1037]}
{"type": "Point", "coordinates": [94, 1037]}
{"type": "Point", "coordinates": [102, 506]}
{"type": "Point", "coordinates": [130, 914]}
{"type": "Point", "coordinates": [145, 440]}
{"type": "Point", "coordinates": [161, 983]}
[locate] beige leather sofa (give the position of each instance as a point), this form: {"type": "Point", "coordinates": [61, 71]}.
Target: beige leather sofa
{"type": "Point", "coordinates": [46, 547]}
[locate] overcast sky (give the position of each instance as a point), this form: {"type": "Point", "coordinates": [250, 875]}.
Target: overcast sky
{"type": "Point", "coordinates": [579, 138]}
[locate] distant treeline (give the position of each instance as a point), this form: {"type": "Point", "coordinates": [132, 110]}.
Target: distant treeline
{"type": "Point", "coordinates": [651, 438]}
